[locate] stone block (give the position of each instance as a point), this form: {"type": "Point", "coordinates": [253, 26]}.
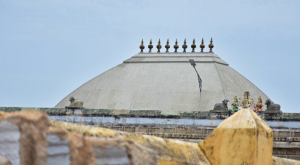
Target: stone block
{"type": "Point", "coordinates": [23, 137]}
{"type": "Point", "coordinates": [4, 161]}
{"type": "Point", "coordinates": [283, 161]}
{"type": "Point", "coordinates": [121, 112]}
{"type": "Point", "coordinates": [67, 147]}
{"type": "Point", "coordinates": [111, 151]}
{"type": "Point", "coordinates": [169, 113]}
{"type": "Point", "coordinates": [58, 150]}
{"type": "Point", "coordinates": [243, 138]}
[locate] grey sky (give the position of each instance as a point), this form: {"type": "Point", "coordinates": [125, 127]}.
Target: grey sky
{"type": "Point", "coordinates": [49, 48]}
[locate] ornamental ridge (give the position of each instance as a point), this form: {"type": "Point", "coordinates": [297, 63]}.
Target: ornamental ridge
{"type": "Point", "coordinates": [176, 46]}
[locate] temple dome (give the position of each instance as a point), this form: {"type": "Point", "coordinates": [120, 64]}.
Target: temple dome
{"type": "Point", "coordinates": [164, 81]}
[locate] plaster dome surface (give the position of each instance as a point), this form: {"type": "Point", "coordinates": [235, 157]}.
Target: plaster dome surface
{"type": "Point", "coordinates": [164, 81]}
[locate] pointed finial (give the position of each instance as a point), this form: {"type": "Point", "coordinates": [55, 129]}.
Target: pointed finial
{"type": "Point", "coordinates": [202, 46]}
{"type": "Point", "coordinates": [211, 45]}
{"type": "Point", "coordinates": [142, 46]}
{"type": "Point", "coordinates": [158, 46]}
{"type": "Point", "coordinates": [176, 46]}
{"type": "Point", "coordinates": [167, 46]}
{"type": "Point", "coordinates": [193, 45]}
{"type": "Point", "coordinates": [184, 46]}
{"type": "Point", "coordinates": [150, 46]}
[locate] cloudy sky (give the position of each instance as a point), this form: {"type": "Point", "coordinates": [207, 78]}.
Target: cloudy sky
{"type": "Point", "coordinates": [49, 48]}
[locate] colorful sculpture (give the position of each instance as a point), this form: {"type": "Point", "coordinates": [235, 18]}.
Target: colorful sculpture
{"type": "Point", "coordinates": [234, 106]}
{"type": "Point", "coordinates": [259, 106]}
{"type": "Point", "coordinates": [246, 103]}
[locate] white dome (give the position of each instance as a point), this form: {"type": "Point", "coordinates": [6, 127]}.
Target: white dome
{"type": "Point", "coordinates": [164, 81]}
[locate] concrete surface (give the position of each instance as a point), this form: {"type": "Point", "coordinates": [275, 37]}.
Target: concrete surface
{"type": "Point", "coordinates": [164, 81]}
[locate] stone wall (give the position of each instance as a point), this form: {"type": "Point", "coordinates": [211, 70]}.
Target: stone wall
{"type": "Point", "coordinates": [25, 138]}
{"type": "Point", "coordinates": [149, 113]}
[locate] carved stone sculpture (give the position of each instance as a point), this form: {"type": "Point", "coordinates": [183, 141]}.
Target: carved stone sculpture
{"type": "Point", "coordinates": [184, 46]}
{"type": "Point", "coordinates": [158, 46]}
{"type": "Point", "coordinates": [202, 46]}
{"type": "Point", "coordinates": [271, 106]}
{"type": "Point", "coordinates": [167, 46]}
{"type": "Point", "coordinates": [211, 45]}
{"type": "Point", "coordinates": [176, 46]}
{"type": "Point", "coordinates": [221, 106]}
{"type": "Point", "coordinates": [150, 46]}
{"type": "Point", "coordinates": [75, 103]}
{"type": "Point", "coordinates": [193, 46]}
{"type": "Point", "coordinates": [142, 46]}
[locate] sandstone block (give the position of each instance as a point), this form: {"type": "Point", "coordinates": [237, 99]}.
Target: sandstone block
{"type": "Point", "coordinates": [243, 138]}
{"type": "Point", "coordinates": [23, 137]}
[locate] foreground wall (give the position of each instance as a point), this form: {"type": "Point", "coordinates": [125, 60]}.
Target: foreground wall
{"type": "Point", "coordinates": [25, 138]}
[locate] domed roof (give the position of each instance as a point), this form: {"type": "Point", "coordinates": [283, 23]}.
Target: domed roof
{"type": "Point", "coordinates": [164, 81]}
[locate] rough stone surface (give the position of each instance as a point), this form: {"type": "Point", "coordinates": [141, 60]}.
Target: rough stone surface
{"type": "Point", "coordinates": [120, 151]}
{"type": "Point", "coordinates": [244, 138]}
{"type": "Point", "coordinates": [4, 161]}
{"type": "Point", "coordinates": [58, 150]}
{"type": "Point", "coordinates": [282, 161]}
{"type": "Point", "coordinates": [33, 126]}
{"type": "Point", "coordinates": [156, 81]}
{"type": "Point", "coordinates": [9, 142]}
{"type": "Point", "coordinates": [169, 151]}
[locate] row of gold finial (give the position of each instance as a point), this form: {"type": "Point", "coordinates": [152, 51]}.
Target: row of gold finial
{"type": "Point", "coordinates": [184, 46]}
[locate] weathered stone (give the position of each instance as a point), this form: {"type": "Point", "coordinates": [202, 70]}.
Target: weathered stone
{"type": "Point", "coordinates": [32, 127]}
{"type": "Point", "coordinates": [121, 112]}
{"type": "Point", "coordinates": [145, 113]}
{"type": "Point", "coordinates": [97, 112]}
{"type": "Point", "coordinates": [244, 138]}
{"type": "Point", "coordinates": [169, 151]}
{"type": "Point", "coordinates": [58, 147]}
{"type": "Point", "coordinates": [4, 161]}
{"type": "Point", "coordinates": [282, 161]}
{"type": "Point", "coordinates": [119, 151]}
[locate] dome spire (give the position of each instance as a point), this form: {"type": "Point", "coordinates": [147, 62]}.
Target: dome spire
{"type": "Point", "coordinates": [193, 45]}
{"type": "Point", "coordinates": [176, 46]}
{"type": "Point", "coordinates": [184, 46]}
{"type": "Point", "coordinates": [202, 46]}
{"type": "Point", "coordinates": [142, 46]}
{"type": "Point", "coordinates": [211, 45]}
{"type": "Point", "coordinates": [158, 46]}
{"type": "Point", "coordinates": [167, 46]}
{"type": "Point", "coordinates": [150, 46]}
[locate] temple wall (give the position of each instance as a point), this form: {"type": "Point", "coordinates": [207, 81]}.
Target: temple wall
{"type": "Point", "coordinates": [38, 144]}
{"type": "Point", "coordinates": [151, 113]}
{"type": "Point", "coordinates": [286, 140]}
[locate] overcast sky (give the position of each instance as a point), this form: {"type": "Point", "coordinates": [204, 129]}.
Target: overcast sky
{"type": "Point", "coordinates": [50, 48]}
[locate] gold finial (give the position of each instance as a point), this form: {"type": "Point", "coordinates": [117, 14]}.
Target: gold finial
{"type": "Point", "coordinates": [184, 46]}
{"type": "Point", "coordinates": [167, 46]}
{"type": "Point", "coordinates": [142, 46]}
{"type": "Point", "coordinates": [176, 46]}
{"type": "Point", "coordinates": [150, 46]}
{"type": "Point", "coordinates": [202, 46]}
{"type": "Point", "coordinates": [211, 45]}
{"type": "Point", "coordinates": [193, 45]}
{"type": "Point", "coordinates": [158, 46]}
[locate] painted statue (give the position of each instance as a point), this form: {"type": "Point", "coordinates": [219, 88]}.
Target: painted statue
{"type": "Point", "coordinates": [246, 103]}
{"type": "Point", "coordinates": [259, 106]}
{"type": "Point", "coordinates": [234, 106]}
